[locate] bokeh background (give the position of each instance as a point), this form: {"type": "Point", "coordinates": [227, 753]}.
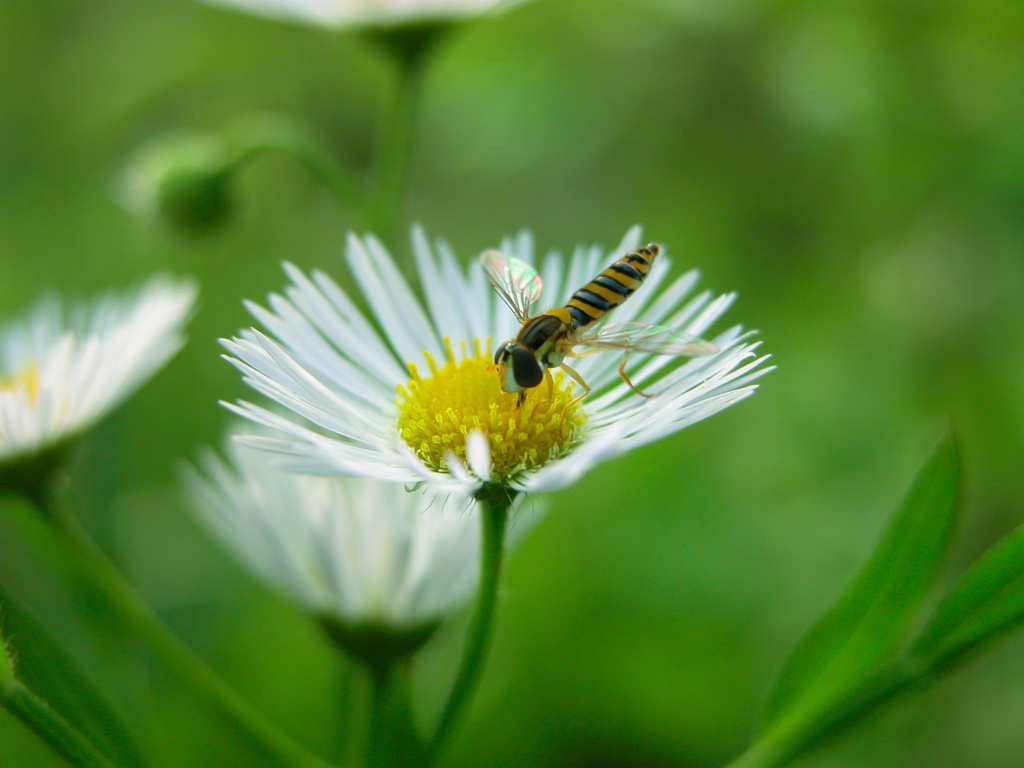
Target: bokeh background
{"type": "Point", "coordinates": [854, 169]}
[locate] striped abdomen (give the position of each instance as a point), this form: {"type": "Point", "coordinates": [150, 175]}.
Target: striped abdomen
{"type": "Point", "coordinates": [612, 287]}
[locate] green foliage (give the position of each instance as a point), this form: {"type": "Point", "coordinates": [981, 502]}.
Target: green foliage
{"type": "Point", "coordinates": [57, 732]}
{"type": "Point", "coordinates": [857, 657]}
{"type": "Point", "coordinates": [866, 626]}
{"type": "Point", "coordinates": [854, 170]}
{"type": "Point", "coordinates": [841, 668]}
{"type": "Point", "coordinates": [987, 600]}
{"type": "Point", "coordinates": [43, 661]}
{"type": "Point", "coordinates": [95, 611]}
{"type": "Point", "coordinates": [70, 691]}
{"type": "Point", "coordinates": [6, 663]}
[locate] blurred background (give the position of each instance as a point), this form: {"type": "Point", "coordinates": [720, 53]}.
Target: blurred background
{"type": "Point", "coordinates": [854, 170]}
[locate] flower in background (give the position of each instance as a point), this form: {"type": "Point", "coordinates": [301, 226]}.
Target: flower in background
{"type": "Point", "coordinates": [372, 560]}
{"type": "Point", "coordinates": [62, 371]}
{"type": "Point", "coordinates": [351, 13]}
{"type": "Point", "coordinates": [409, 394]}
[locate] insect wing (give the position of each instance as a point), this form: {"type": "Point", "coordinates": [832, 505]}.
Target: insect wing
{"type": "Point", "coordinates": [515, 281]}
{"type": "Point", "coordinates": [653, 339]}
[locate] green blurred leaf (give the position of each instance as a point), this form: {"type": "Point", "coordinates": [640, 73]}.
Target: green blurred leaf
{"type": "Point", "coordinates": [864, 627]}
{"type": "Point", "coordinates": [988, 599]}
{"type": "Point", "coordinates": [71, 693]}
{"type": "Point", "coordinates": [150, 681]}
{"type": "Point", "coordinates": [43, 664]}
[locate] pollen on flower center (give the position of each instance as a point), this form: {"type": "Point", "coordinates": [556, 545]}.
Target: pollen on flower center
{"type": "Point", "coordinates": [437, 411]}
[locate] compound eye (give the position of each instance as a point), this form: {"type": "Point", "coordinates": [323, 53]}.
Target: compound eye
{"type": "Point", "coordinates": [499, 354]}
{"type": "Point", "coordinates": [525, 368]}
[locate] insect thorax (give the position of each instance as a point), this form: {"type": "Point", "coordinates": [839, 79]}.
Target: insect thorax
{"type": "Point", "coordinates": [546, 336]}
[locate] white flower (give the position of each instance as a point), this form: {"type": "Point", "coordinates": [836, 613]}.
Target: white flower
{"type": "Point", "coordinates": [349, 13]}
{"type": "Point", "coordinates": [338, 372]}
{"type": "Point", "coordinates": [361, 552]}
{"type": "Point", "coordinates": [61, 372]}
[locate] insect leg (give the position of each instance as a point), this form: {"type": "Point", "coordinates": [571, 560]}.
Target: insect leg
{"type": "Point", "coordinates": [551, 392]}
{"type": "Point", "coordinates": [625, 378]}
{"type": "Point", "coordinates": [579, 380]}
{"type": "Point", "coordinates": [584, 352]}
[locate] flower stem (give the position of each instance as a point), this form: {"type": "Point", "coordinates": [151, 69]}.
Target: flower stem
{"type": "Point", "coordinates": [378, 732]}
{"type": "Point", "coordinates": [105, 730]}
{"type": "Point", "coordinates": [495, 502]}
{"type": "Point", "coordinates": [62, 737]}
{"type": "Point", "coordinates": [392, 152]}
{"type": "Point", "coordinates": [139, 618]}
{"type": "Point", "coordinates": [272, 132]}
{"type": "Point", "coordinates": [393, 742]}
{"type": "Point", "coordinates": [409, 52]}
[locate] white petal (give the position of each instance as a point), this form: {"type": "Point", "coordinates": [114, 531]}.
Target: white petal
{"type": "Point", "coordinates": [346, 13]}
{"type": "Point", "coordinates": [478, 454]}
{"type": "Point", "coordinates": [358, 550]}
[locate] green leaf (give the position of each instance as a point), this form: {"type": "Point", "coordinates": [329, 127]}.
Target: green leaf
{"type": "Point", "coordinates": [989, 598]}
{"type": "Point", "coordinates": [864, 628]}
{"type": "Point", "coordinates": [71, 691]}
{"type": "Point", "coordinates": [43, 664]}
{"type": "Point", "coordinates": [144, 676]}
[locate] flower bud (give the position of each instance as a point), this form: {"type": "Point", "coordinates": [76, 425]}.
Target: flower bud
{"type": "Point", "coordinates": [182, 179]}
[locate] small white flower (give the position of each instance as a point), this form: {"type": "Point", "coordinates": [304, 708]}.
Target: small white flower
{"type": "Point", "coordinates": [351, 13]}
{"type": "Point", "coordinates": [450, 426]}
{"type": "Point", "coordinates": [357, 551]}
{"type": "Point", "coordinates": [62, 371]}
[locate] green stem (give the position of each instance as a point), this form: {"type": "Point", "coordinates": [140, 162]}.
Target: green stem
{"type": "Point", "coordinates": [384, 651]}
{"type": "Point", "coordinates": [62, 737]}
{"type": "Point", "coordinates": [378, 732]}
{"type": "Point", "coordinates": [408, 50]}
{"type": "Point", "coordinates": [495, 502]}
{"type": "Point", "coordinates": [393, 741]}
{"type": "Point", "coordinates": [393, 147]}
{"type": "Point", "coordinates": [104, 728]}
{"type": "Point", "coordinates": [140, 619]}
{"type": "Point", "coordinates": [393, 150]}
{"type": "Point", "coordinates": [254, 134]}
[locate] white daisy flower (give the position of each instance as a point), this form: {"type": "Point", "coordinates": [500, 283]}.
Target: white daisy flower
{"type": "Point", "coordinates": [62, 371]}
{"type": "Point", "coordinates": [408, 393]}
{"type": "Point", "coordinates": [353, 13]}
{"type": "Point", "coordinates": [361, 554]}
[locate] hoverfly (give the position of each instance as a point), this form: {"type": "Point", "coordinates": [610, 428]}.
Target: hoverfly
{"type": "Point", "coordinates": [545, 340]}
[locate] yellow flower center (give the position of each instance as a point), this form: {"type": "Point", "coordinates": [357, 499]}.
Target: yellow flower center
{"type": "Point", "coordinates": [436, 412]}
{"type": "Point", "coordinates": [26, 379]}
